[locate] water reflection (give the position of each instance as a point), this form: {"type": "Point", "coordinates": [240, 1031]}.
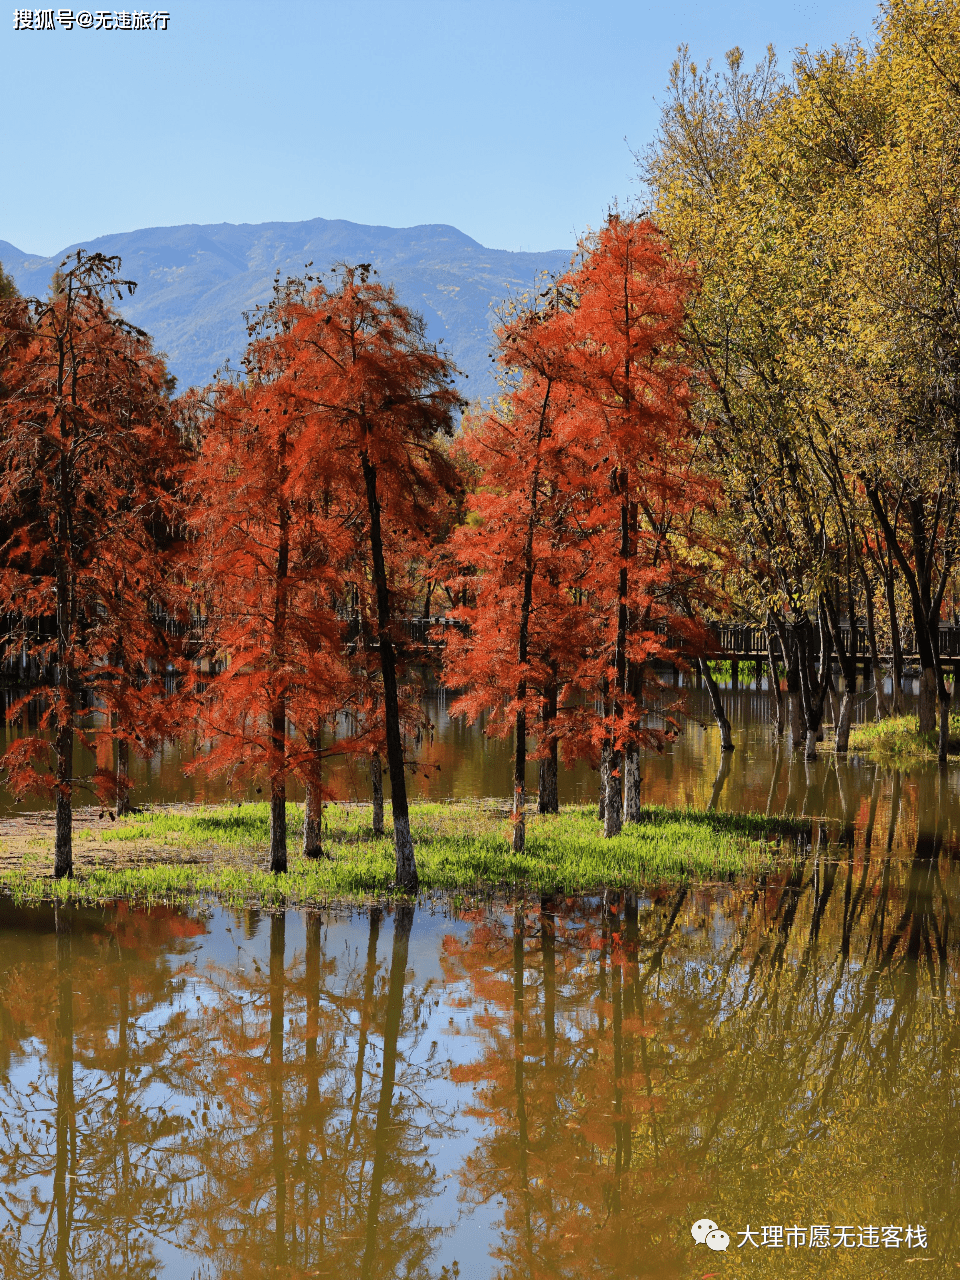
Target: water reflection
{"type": "Point", "coordinates": [546, 1088]}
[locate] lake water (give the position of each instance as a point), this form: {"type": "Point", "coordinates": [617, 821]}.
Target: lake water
{"type": "Point", "coordinates": [554, 1088]}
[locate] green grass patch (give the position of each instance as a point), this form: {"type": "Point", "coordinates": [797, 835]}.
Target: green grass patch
{"type": "Point", "coordinates": [899, 739]}
{"type": "Point", "coordinates": [459, 846]}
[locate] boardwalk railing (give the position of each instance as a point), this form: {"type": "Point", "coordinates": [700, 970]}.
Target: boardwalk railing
{"type": "Point", "coordinates": [748, 643]}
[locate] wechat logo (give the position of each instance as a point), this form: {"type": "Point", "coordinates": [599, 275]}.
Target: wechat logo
{"type": "Point", "coordinates": [705, 1231]}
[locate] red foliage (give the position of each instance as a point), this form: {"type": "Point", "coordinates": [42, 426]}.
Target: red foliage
{"type": "Point", "coordinates": [580, 563]}
{"type": "Point", "coordinates": [85, 509]}
{"type": "Point", "coordinates": [322, 478]}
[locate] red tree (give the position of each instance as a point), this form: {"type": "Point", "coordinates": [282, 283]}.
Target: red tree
{"type": "Point", "coordinates": [336, 433]}
{"type": "Point", "coordinates": [85, 459]}
{"type": "Point", "coordinates": [522, 556]}
{"type": "Point", "coordinates": [627, 357]}
{"type": "Point", "coordinates": [579, 568]}
{"type": "Point", "coordinates": [267, 557]}
{"type": "Point", "coordinates": [380, 400]}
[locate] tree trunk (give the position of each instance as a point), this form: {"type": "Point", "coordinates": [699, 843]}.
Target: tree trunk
{"type": "Point", "coordinates": [848, 667]}
{"type": "Point", "coordinates": [520, 728]}
{"type": "Point", "coordinates": [883, 707]}
{"type": "Point", "coordinates": [278, 791]}
{"type": "Point", "coordinates": [796, 723]}
{"type": "Point", "coordinates": [63, 840]}
{"type": "Point", "coordinates": [604, 775]}
{"type": "Point", "coordinates": [278, 712]}
{"type": "Point", "coordinates": [776, 694]}
{"type": "Point", "coordinates": [123, 777]}
{"type": "Point", "coordinates": [813, 684]}
{"type": "Point", "coordinates": [716, 702]}
{"type": "Point", "coordinates": [944, 740]}
{"type": "Point", "coordinates": [844, 719]}
{"type": "Point", "coordinates": [613, 806]}
{"type": "Point", "coordinates": [376, 786]}
{"type": "Point", "coordinates": [896, 640]}
{"type": "Point", "coordinates": [313, 822]}
{"type": "Point", "coordinates": [519, 775]}
{"type": "Point", "coordinates": [631, 785]}
{"type": "Point", "coordinates": [548, 800]}
{"type": "Point", "coordinates": [278, 827]}
{"type": "Point", "coordinates": [927, 708]}
{"type": "Point", "coordinates": [722, 774]}
{"type": "Point", "coordinates": [407, 878]}
{"type": "Point", "coordinates": [613, 809]}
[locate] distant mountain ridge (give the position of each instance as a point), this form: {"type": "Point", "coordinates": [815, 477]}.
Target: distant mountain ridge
{"type": "Point", "coordinates": [195, 281]}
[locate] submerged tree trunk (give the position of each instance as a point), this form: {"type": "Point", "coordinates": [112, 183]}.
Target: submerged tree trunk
{"type": "Point", "coordinates": [813, 683]}
{"type": "Point", "coordinates": [407, 878]}
{"type": "Point", "coordinates": [716, 702]}
{"type": "Point", "coordinates": [793, 703]}
{"type": "Point", "coordinates": [848, 667]}
{"type": "Point", "coordinates": [844, 720]}
{"type": "Point", "coordinates": [722, 774]}
{"type": "Point", "coordinates": [776, 694]}
{"type": "Point", "coordinates": [944, 738]}
{"type": "Point", "coordinates": [376, 786]}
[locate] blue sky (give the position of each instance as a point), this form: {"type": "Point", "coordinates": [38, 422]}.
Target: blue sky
{"type": "Point", "coordinates": [506, 118]}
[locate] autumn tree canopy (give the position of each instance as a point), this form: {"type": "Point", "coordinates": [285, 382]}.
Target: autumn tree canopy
{"type": "Point", "coordinates": [583, 558]}
{"type": "Point", "coordinates": [86, 455]}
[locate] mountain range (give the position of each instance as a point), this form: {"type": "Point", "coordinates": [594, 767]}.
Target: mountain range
{"type": "Point", "coordinates": [195, 282]}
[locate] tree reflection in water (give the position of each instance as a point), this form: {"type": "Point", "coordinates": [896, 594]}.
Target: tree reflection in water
{"type": "Point", "coordinates": [91, 1165]}
{"type": "Point", "coordinates": [780, 1052]}
{"type": "Point", "coordinates": [317, 1127]}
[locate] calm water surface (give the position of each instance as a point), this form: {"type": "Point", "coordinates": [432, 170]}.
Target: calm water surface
{"type": "Point", "coordinates": [553, 1088]}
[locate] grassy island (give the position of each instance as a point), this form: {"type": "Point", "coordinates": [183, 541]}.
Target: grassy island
{"type": "Point", "coordinates": [899, 739]}
{"type": "Point", "coordinates": [185, 852]}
